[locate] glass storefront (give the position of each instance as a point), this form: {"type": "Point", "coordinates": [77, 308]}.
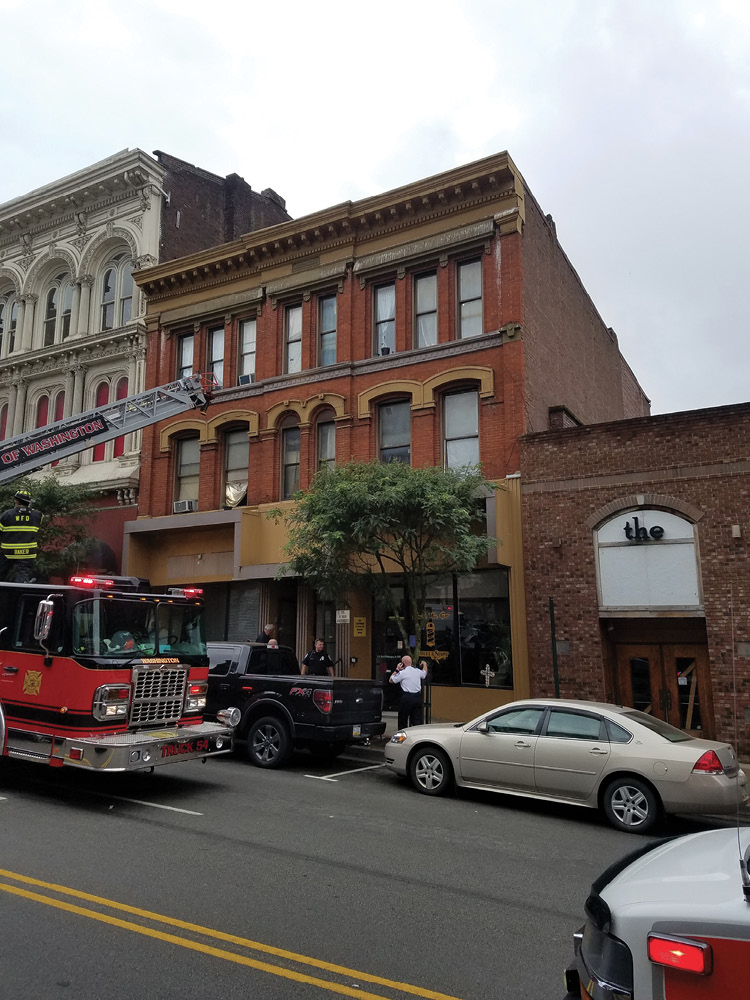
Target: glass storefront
{"type": "Point", "coordinates": [466, 633]}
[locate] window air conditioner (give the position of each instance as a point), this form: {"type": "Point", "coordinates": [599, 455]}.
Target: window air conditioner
{"type": "Point", "coordinates": [245, 380]}
{"type": "Point", "coordinates": [184, 506]}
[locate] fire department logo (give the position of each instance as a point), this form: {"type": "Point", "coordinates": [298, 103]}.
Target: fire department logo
{"type": "Point", "coordinates": [32, 682]}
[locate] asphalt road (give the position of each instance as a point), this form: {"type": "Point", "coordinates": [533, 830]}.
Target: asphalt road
{"type": "Point", "coordinates": [222, 880]}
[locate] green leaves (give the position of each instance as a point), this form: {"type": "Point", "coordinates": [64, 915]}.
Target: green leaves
{"type": "Point", "coordinates": [361, 523]}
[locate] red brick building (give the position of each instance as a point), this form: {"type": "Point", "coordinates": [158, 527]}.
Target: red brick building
{"type": "Point", "coordinates": [433, 324]}
{"type": "Point", "coordinates": [638, 531]}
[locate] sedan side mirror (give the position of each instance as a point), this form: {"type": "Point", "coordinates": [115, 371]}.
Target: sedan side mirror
{"type": "Point", "coordinates": [483, 727]}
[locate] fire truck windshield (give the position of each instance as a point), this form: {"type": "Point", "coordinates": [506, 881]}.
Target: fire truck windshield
{"type": "Point", "coordinates": [126, 628]}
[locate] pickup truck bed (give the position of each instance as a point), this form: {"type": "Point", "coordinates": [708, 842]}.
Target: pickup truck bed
{"type": "Point", "coordinates": [283, 710]}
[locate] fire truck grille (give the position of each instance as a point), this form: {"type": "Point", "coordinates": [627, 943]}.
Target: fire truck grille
{"type": "Point", "coordinates": [158, 696]}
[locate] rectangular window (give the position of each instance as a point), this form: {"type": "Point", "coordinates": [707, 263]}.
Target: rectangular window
{"type": "Point", "coordinates": [394, 421]}
{"type": "Point", "coordinates": [290, 442]}
{"type": "Point", "coordinates": [188, 468]}
{"type": "Point", "coordinates": [236, 461]}
{"type": "Point", "coordinates": [461, 430]}
{"type": "Point", "coordinates": [326, 444]}
{"type": "Point", "coordinates": [248, 330]}
{"type": "Point", "coordinates": [216, 353]}
{"type": "Point", "coordinates": [470, 299]}
{"type": "Point", "coordinates": [327, 321]}
{"type": "Point", "coordinates": [385, 319]}
{"type": "Point", "coordinates": [425, 310]}
{"type": "Point", "coordinates": [293, 320]}
{"type": "Point", "coordinates": [185, 347]}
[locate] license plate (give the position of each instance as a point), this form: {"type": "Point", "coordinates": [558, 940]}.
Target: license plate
{"type": "Point", "coordinates": [356, 730]}
{"type": "Point", "coordinates": [184, 747]}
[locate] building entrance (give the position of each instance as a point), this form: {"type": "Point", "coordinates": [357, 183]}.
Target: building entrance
{"type": "Point", "coordinates": [669, 681]}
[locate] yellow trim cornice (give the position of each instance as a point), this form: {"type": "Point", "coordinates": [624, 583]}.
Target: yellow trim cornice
{"type": "Point", "coordinates": [179, 428]}
{"type": "Point", "coordinates": [249, 417]}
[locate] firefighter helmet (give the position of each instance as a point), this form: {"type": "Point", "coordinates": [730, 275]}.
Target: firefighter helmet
{"type": "Point", "coordinates": [23, 495]}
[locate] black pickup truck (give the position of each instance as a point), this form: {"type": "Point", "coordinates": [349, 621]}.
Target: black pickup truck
{"type": "Point", "coordinates": [283, 709]}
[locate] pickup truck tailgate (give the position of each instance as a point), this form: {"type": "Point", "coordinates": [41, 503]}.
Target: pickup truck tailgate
{"type": "Point", "coordinates": [356, 701]}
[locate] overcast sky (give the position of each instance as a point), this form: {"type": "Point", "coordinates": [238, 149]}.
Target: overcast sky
{"type": "Point", "coordinates": [629, 119]}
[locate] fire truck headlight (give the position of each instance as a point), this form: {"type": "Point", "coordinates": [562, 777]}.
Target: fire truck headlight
{"type": "Point", "coordinates": [146, 756]}
{"type": "Point", "coordinates": [196, 696]}
{"type": "Point", "coordinates": [219, 742]}
{"type": "Point", "coordinates": [135, 756]}
{"type": "Point", "coordinates": [111, 701]}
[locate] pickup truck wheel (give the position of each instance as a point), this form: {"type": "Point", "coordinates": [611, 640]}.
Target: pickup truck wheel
{"type": "Point", "coordinates": [430, 771]}
{"type": "Point", "coordinates": [268, 742]}
{"type": "Point", "coordinates": [630, 805]}
{"type": "Point", "coordinates": [328, 750]}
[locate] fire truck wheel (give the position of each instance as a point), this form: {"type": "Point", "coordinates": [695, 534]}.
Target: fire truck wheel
{"type": "Point", "coordinates": [268, 742]}
{"type": "Point", "coordinates": [630, 805]}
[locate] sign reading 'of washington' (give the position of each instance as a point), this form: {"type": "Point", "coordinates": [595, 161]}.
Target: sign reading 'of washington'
{"type": "Point", "coordinates": [44, 442]}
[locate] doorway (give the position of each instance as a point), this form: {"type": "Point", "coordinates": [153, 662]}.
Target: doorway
{"type": "Point", "coordinates": [669, 681]}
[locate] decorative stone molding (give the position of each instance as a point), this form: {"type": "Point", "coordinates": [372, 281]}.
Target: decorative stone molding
{"type": "Point", "coordinates": [249, 417]}
{"type": "Point", "coordinates": [636, 500]}
{"type": "Point", "coordinates": [401, 387]}
{"type": "Point", "coordinates": [180, 428]}
{"type": "Point", "coordinates": [485, 377]}
{"type": "Point", "coordinates": [308, 282]}
{"type": "Point", "coordinates": [48, 257]}
{"type": "Point", "coordinates": [111, 232]}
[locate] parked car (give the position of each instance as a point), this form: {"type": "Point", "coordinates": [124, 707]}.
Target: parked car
{"type": "Point", "coordinates": [283, 710]}
{"type": "Point", "coordinates": [631, 765]}
{"type": "Point", "coordinates": [668, 922]}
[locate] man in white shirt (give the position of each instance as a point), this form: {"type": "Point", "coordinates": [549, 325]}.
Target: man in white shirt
{"type": "Point", "coordinates": [411, 705]}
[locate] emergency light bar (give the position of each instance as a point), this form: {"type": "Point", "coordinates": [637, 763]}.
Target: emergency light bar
{"type": "Point", "coordinates": [185, 591]}
{"type": "Point", "coordinates": [90, 581]}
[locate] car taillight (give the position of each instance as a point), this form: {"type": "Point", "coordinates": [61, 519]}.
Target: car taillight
{"type": "Point", "coordinates": [196, 696]}
{"type": "Point", "coordinates": [680, 953]}
{"type": "Point", "coordinates": [112, 701]}
{"type": "Point", "coordinates": [324, 700]}
{"type": "Point", "coordinates": [709, 763]}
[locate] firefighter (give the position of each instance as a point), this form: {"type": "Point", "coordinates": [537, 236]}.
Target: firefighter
{"type": "Point", "coordinates": [18, 546]}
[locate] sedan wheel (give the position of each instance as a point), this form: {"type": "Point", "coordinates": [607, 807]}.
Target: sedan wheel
{"type": "Point", "coordinates": [630, 805]}
{"type": "Point", "coordinates": [430, 772]}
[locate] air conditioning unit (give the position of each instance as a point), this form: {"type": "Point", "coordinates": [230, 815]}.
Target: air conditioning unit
{"type": "Point", "coordinates": [245, 380]}
{"type": "Point", "coordinates": [184, 506]}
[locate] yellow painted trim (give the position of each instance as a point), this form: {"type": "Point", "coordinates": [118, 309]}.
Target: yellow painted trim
{"type": "Point", "coordinates": [274, 415]}
{"type": "Point", "coordinates": [403, 387]}
{"type": "Point", "coordinates": [179, 428]}
{"type": "Point", "coordinates": [249, 417]}
{"type": "Point", "coordinates": [485, 377]}
{"type": "Point", "coordinates": [510, 553]}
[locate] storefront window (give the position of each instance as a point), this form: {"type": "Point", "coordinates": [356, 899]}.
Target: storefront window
{"type": "Point", "coordinates": [466, 635]}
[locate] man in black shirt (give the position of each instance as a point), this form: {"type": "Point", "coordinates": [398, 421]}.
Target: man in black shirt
{"type": "Point", "coordinates": [317, 663]}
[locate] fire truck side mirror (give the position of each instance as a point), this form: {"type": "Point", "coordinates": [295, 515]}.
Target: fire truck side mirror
{"type": "Point", "coordinates": [43, 620]}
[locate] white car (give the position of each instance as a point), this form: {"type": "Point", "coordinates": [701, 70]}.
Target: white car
{"type": "Point", "coordinates": [668, 922]}
{"type": "Point", "coordinates": [631, 765]}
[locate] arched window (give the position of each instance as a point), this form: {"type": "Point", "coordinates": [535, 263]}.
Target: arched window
{"type": "Point", "coordinates": [116, 292]}
{"type": "Point", "coordinates": [236, 461]}
{"type": "Point", "coordinates": [326, 441]}
{"type": "Point", "coordinates": [120, 393]}
{"type": "Point", "coordinates": [461, 429]}
{"type": "Point", "coordinates": [187, 468]}
{"type": "Point", "coordinates": [8, 323]}
{"type": "Point", "coordinates": [58, 307]}
{"type": "Point", "coordinates": [290, 457]}
{"type": "Point", "coordinates": [102, 398]}
{"type": "Point", "coordinates": [42, 412]}
{"type": "Point", "coordinates": [3, 420]}
{"type": "Point", "coordinates": [394, 431]}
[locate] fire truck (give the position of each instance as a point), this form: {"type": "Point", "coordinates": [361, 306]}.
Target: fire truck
{"type": "Point", "coordinates": [100, 673]}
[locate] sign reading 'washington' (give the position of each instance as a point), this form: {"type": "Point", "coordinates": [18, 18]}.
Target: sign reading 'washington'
{"type": "Point", "coordinates": [46, 443]}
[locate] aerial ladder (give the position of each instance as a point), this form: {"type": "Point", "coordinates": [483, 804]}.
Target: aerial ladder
{"type": "Point", "coordinates": [32, 450]}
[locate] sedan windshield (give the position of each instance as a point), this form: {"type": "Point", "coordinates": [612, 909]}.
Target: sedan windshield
{"type": "Point", "coordinates": [127, 628]}
{"type": "Point", "coordinates": [658, 726]}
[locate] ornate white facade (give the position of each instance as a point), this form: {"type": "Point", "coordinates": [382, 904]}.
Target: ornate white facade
{"type": "Point", "coordinates": [71, 319]}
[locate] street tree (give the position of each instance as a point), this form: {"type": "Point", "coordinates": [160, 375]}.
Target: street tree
{"type": "Point", "coordinates": [386, 526]}
{"type": "Point", "coordinates": [64, 538]}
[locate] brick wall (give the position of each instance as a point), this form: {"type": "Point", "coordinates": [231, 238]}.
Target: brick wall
{"type": "Point", "coordinates": [205, 210]}
{"type": "Point", "coordinates": [698, 459]}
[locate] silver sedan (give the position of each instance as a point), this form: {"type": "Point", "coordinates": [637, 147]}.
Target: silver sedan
{"type": "Point", "coordinates": [631, 765]}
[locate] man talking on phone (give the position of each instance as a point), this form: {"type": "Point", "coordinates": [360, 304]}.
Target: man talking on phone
{"type": "Point", "coordinates": [411, 705]}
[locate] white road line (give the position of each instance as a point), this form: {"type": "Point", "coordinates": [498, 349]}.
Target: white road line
{"type": "Point", "coordinates": [140, 802]}
{"type": "Point", "coordinates": [3, 798]}
{"type": "Point", "coordinates": [337, 774]}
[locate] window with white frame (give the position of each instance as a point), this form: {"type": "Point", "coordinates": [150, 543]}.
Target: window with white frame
{"type": "Point", "coordinates": [385, 319]}
{"type": "Point", "coordinates": [461, 429]}
{"type": "Point", "coordinates": [425, 310]}
{"type": "Point", "coordinates": [58, 308]}
{"type": "Point", "coordinates": [188, 464]}
{"type": "Point", "coordinates": [293, 338]}
{"type": "Point", "coordinates": [290, 461]}
{"type": "Point", "coordinates": [216, 353]}
{"type": "Point", "coordinates": [185, 353]}
{"type": "Point", "coordinates": [116, 292]}
{"type": "Point", "coordinates": [3, 421]}
{"type": "Point", "coordinates": [469, 299]}
{"type": "Point", "coordinates": [247, 344]}
{"type": "Point", "coordinates": [8, 324]}
{"type": "Point", "coordinates": [394, 429]}
{"type": "Point", "coordinates": [327, 329]}
{"type": "Point", "coordinates": [326, 442]}
{"type": "Point", "coordinates": [236, 461]}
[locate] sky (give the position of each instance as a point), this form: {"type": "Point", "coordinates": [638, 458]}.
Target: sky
{"type": "Point", "coordinates": [629, 120]}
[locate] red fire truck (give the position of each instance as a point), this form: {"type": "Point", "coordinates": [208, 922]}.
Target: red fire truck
{"type": "Point", "coordinates": [100, 673]}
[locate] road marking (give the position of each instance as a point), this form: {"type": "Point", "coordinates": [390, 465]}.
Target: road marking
{"type": "Point", "coordinates": [354, 770]}
{"type": "Point", "coordinates": [142, 802]}
{"type": "Point", "coordinates": [209, 932]}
